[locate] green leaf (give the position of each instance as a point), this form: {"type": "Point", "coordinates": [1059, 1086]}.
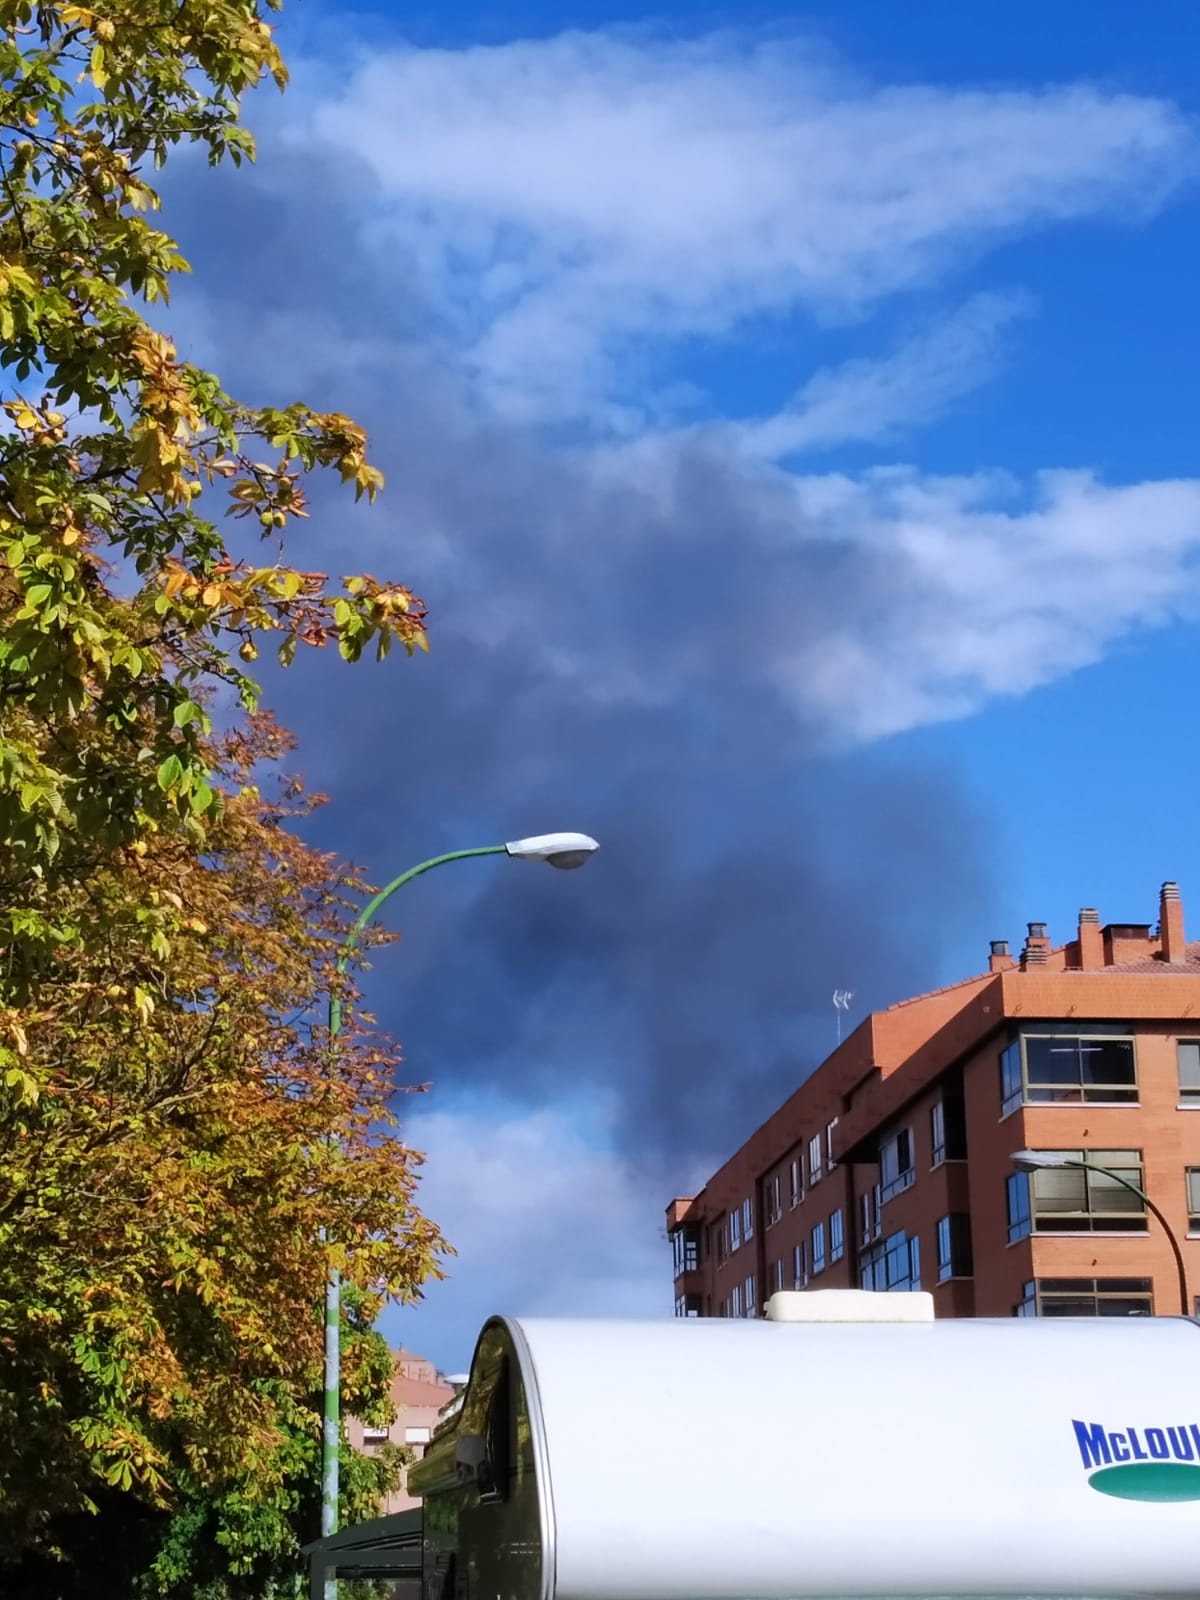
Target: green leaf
{"type": "Point", "coordinates": [169, 773]}
{"type": "Point", "coordinates": [202, 796]}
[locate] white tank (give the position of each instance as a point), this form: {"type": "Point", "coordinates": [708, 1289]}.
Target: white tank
{"type": "Point", "coordinates": [706, 1459]}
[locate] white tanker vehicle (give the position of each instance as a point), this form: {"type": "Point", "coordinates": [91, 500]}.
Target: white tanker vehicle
{"type": "Point", "coordinates": [846, 1445]}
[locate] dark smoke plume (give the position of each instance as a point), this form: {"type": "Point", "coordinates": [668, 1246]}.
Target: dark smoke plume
{"type": "Point", "coordinates": [601, 661]}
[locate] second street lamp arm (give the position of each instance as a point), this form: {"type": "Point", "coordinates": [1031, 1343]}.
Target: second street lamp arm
{"type": "Point", "coordinates": [1091, 1166]}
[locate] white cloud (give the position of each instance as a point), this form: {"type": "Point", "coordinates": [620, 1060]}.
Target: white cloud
{"type": "Point", "coordinates": [992, 598]}
{"type": "Point", "coordinates": [580, 195]}
{"type": "Point", "coordinates": [868, 401]}
{"type": "Point", "coordinates": [544, 1223]}
{"type": "Point", "coordinates": [946, 593]}
{"type": "Point", "coordinates": [568, 195]}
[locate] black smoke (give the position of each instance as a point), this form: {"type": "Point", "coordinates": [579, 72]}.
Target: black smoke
{"type": "Point", "coordinates": [601, 661]}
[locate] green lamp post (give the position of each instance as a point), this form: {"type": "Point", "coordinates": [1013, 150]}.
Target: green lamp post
{"type": "Point", "coordinates": [563, 850]}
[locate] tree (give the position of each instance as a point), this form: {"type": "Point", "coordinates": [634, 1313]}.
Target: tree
{"type": "Point", "coordinates": [114, 444]}
{"type": "Point", "coordinates": [176, 1138]}
{"type": "Point", "coordinates": [130, 1548]}
{"type": "Point", "coordinates": [175, 1134]}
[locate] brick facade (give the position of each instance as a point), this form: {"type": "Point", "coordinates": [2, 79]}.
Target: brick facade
{"type": "Point", "coordinates": [907, 1132]}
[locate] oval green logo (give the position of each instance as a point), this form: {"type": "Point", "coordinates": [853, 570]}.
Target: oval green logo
{"type": "Point", "coordinates": [1149, 1480]}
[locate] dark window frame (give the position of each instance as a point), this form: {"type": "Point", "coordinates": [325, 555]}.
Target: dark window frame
{"type": "Point", "coordinates": [1189, 1092]}
{"type": "Point", "coordinates": [1019, 1088]}
{"type": "Point", "coordinates": [837, 1236]}
{"type": "Point", "coordinates": [954, 1255]}
{"type": "Point", "coordinates": [1108, 1297]}
{"type": "Point", "coordinates": [905, 1175]}
{"type": "Point", "coordinates": [1049, 1219]}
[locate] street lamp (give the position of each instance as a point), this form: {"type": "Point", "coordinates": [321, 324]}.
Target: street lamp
{"type": "Point", "coordinates": [1053, 1160]}
{"type": "Point", "coordinates": [562, 850]}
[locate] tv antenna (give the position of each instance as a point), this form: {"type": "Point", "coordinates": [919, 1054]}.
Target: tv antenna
{"type": "Point", "coordinates": [841, 1002]}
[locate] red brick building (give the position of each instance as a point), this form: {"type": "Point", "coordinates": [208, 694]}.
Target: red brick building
{"type": "Point", "coordinates": [891, 1166]}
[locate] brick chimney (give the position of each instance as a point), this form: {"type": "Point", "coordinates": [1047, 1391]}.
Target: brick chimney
{"type": "Point", "coordinates": [1091, 941]}
{"type": "Point", "coordinates": [999, 960]}
{"type": "Point", "coordinates": [1037, 946]}
{"type": "Point", "coordinates": [1170, 924]}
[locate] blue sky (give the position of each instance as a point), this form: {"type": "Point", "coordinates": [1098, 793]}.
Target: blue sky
{"type": "Point", "coordinates": [789, 416]}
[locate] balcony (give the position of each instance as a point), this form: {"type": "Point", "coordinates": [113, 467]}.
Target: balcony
{"type": "Point", "coordinates": [689, 1282]}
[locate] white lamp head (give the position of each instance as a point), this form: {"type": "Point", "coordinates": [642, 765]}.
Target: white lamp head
{"type": "Point", "coordinates": [1039, 1160]}
{"type": "Point", "coordinates": [559, 849]}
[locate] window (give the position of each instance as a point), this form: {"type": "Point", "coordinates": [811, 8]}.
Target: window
{"type": "Point", "coordinates": [1087, 1297]}
{"type": "Point", "coordinates": [894, 1266]}
{"type": "Point", "coordinates": [1193, 1199]}
{"type": "Point", "coordinates": [1068, 1069]}
{"type": "Point", "coordinates": [896, 1163]}
{"type": "Point", "coordinates": [374, 1435]}
{"type": "Point", "coordinates": [937, 1134]}
{"type": "Point", "coordinates": [751, 1306]}
{"type": "Point", "coordinates": [735, 1230]}
{"type": "Point", "coordinates": [797, 1183]}
{"type": "Point", "coordinates": [735, 1301]}
{"type": "Point", "coordinates": [954, 1247]}
{"type": "Point", "coordinates": [1082, 1200]}
{"type": "Point", "coordinates": [1072, 1070]}
{"type": "Point", "coordinates": [687, 1305]}
{"type": "Point", "coordinates": [870, 1269]}
{"type": "Point", "coordinates": [814, 1160]}
{"type": "Point", "coordinates": [837, 1236]}
{"type": "Point", "coordinates": [829, 1127]}
{"type": "Point", "coordinates": [799, 1266]}
{"type": "Point", "coordinates": [1020, 1223]}
{"type": "Point", "coordinates": [777, 1276]}
{"type": "Point", "coordinates": [902, 1262]}
{"type": "Point", "coordinates": [818, 1248]}
{"type": "Point", "coordinates": [948, 1128]}
{"type": "Point", "coordinates": [685, 1245]}
{"type": "Point", "coordinates": [1012, 1086]}
{"type": "Point", "coordinates": [1187, 1056]}
{"type": "Point", "coordinates": [416, 1435]}
{"type": "Point", "coordinates": [747, 1219]}
{"type": "Point", "coordinates": [773, 1207]}
{"type": "Point", "coordinates": [720, 1240]}
{"type": "Point", "coordinates": [870, 1215]}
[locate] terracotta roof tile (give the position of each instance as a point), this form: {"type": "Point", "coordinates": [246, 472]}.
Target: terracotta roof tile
{"type": "Point", "coordinates": [946, 988]}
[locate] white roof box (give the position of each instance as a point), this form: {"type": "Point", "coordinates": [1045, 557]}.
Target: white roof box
{"type": "Point", "coordinates": [849, 1305]}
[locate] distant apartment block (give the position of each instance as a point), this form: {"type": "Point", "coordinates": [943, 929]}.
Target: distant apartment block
{"type": "Point", "coordinates": [891, 1166]}
{"type": "Point", "coordinates": [419, 1391]}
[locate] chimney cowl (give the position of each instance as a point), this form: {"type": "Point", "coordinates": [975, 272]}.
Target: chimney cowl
{"type": "Point", "coordinates": [1089, 914]}
{"type": "Point", "coordinates": [999, 947]}
{"type": "Point", "coordinates": [1037, 930]}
